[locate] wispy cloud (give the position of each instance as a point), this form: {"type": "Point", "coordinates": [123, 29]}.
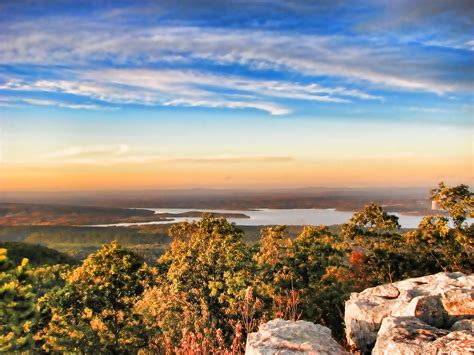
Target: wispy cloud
{"type": "Point", "coordinates": [316, 55]}
{"type": "Point", "coordinates": [434, 110]}
{"type": "Point", "coordinates": [185, 88]}
{"type": "Point", "coordinates": [105, 155]}
{"type": "Point", "coordinates": [268, 107]}
{"type": "Point", "coordinates": [17, 101]}
{"type": "Point", "coordinates": [63, 104]}
{"type": "Point", "coordinates": [87, 151]}
{"type": "Point", "coordinates": [113, 62]}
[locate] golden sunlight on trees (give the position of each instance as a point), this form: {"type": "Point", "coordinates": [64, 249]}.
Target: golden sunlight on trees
{"type": "Point", "coordinates": [210, 289]}
{"type": "Point", "coordinates": [17, 306]}
{"type": "Point", "coordinates": [372, 222]}
{"type": "Point", "coordinates": [95, 309]}
{"type": "Point", "coordinates": [458, 201]}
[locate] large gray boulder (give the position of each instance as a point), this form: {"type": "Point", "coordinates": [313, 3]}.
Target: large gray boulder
{"type": "Point", "coordinates": [422, 310]}
{"type": "Point", "coordinates": [283, 337]}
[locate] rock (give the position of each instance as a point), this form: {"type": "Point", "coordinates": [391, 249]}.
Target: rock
{"type": "Point", "coordinates": [410, 335]}
{"type": "Point", "coordinates": [428, 309]}
{"type": "Point", "coordinates": [459, 342]}
{"type": "Point", "coordinates": [459, 302]}
{"type": "Point", "coordinates": [437, 301]}
{"type": "Point", "coordinates": [405, 335]}
{"type": "Point", "coordinates": [363, 317]}
{"type": "Point", "coordinates": [386, 291]}
{"type": "Point", "coordinates": [464, 324]}
{"type": "Point", "coordinates": [292, 337]}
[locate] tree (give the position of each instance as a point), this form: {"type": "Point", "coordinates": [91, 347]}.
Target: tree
{"type": "Point", "coordinates": [321, 276]}
{"type": "Point", "coordinates": [372, 222]}
{"type": "Point", "coordinates": [275, 246]}
{"type": "Point", "coordinates": [95, 309]}
{"type": "Point", "coordinates": [458, 201]}
{"type": "Point", "coordinates": [435, 246]}
{"type": "Point", "coordinates": [17, 306]}
{"type": "Point", "coordinates": [208, 268]}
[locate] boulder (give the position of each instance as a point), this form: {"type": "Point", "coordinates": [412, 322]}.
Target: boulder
{"type": "Point", "coordinates": [436, 301]}
{"type": "Point", "coordinates": [458, 302]}
{"type": "Point", "coordinates": [410, 335]}
{"type": "Point", "coordinates": [429, 309]}
{"type": "Point", "coordinates": [458, 342]}
{"type": "Point", "coordinates": [405, 335]}
{"type": "Point", "coordinates": [282, 337]}
{"type": "Point", "coordinates": [464, 324]}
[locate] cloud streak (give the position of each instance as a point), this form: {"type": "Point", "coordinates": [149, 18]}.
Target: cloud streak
{"type": "Point", "coordinates": [184, 88]}
{"type": "Point", "coordinates": [18, 101]}
{"type": "Point", "coordinates": [110, 59]}
{"type": "Point", "coordinates": [315, 55]}
{"type": "Point", "coordinates": [106, 155]}
{"type": "Point", "coordinates": [81, 152]}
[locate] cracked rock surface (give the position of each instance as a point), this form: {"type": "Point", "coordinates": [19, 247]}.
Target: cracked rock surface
{"type": "Point", "coordinates": [283, 337]}
{"type": "Point", "coordinates": [430, 315]}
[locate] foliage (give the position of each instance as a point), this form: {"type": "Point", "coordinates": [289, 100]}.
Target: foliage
{"type": "Point", "coordinates": [17, 306]}
{"type": "Point", "coordinates": [372, 222]}
{"type": "Point", "coordinates": [210, 289]}
{"type": "Point", "coordinates": [36, 254]}
{"type": "Point", "coordinates": [322, 276]}
{"type": "Point", "coordinates": [207, 266]}
{"type": "Point", "coordinates": [434, 243]}
{"type": "Point", "coordinates": [458, 201]}
{"type": "Point", "coordinates": [95, 307]}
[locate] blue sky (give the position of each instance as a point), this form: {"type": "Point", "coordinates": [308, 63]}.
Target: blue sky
{"type": "Point", "coordinates": [86, 83]}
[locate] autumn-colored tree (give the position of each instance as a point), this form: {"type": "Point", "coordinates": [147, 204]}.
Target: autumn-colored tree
{"type": "Point", "coordinates": [275, 246]}
{"type": "Point", "coordinates": [357, 261]}
{"type": "Point", "coordinates": [274, 275]}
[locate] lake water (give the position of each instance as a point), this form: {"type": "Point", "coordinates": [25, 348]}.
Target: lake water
{"type": "Point", "coordinates": [273, 217]}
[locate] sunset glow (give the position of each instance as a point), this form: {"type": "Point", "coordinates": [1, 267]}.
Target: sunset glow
{"type": "Point", "coordinates": [121, 96]}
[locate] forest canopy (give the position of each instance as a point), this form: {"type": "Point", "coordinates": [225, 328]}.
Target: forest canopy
{"type": "Point", "coordinates": [210, 288]}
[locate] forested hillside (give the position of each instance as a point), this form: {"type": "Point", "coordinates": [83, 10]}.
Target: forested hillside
{"type": "Point", "coordinates": [210, 289]}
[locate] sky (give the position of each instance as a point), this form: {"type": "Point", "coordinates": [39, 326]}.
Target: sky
{"type": "Point", "coordinates": [244, 94]}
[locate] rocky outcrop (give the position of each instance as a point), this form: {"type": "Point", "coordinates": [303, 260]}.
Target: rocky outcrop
{"type": "Point", "coordinates": [427, 315]}
{"type": "Point", "coordinates": [431, 314]}
{"type": "Point", "coordinates": [289, 337]}
{"type": "Point", "coordinates": [410, 335]}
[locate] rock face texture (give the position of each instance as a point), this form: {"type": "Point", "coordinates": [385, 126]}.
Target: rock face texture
{"type": "Point", "coordinates": [289, 337]}
{"type": "Point", "coordinates": [427, 315]}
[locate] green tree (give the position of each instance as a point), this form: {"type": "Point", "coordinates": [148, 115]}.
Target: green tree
{"type": "Point", "coordinates": [17, 306]}
{"type": "Point", "coordinates": [272, 260]}
{"type": "Point", "coordinates": [458, 201]}
{"type": "Point", "coordinates": [438, 247]}
{"type": "Point", "coordinates": [322, 277]}
{"type": "Point", "coordinates": [208, 268]}
{"type": "Point", "coordinates": [94, 311]}
{"type": "Point", "coordinates": [372, 222]}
